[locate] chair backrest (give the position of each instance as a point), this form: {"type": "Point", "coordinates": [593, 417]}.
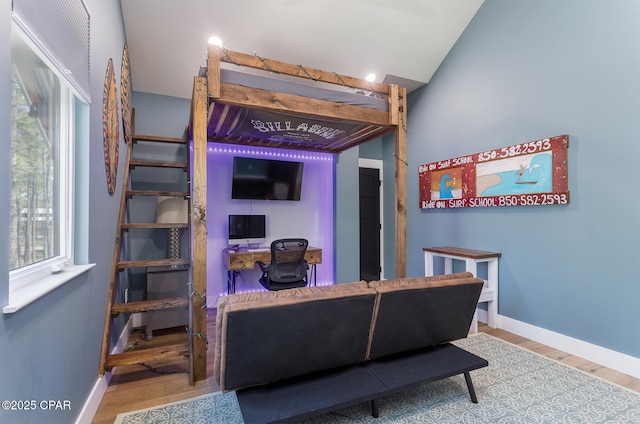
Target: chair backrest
{"type": "Point", "coordinates": [287, 260]}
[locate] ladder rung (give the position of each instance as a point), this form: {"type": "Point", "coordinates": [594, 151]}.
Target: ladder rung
{"type": "Point", "coordinates": [146, 355]}
{"type": "Point", "coordinates": [150, 305]}
{"type": "Point", "coordinates": [157, 193]}
{"type": "Point", "coordinates": [157, 139]}
{"type": "Point", "coordinates": [153, 225]}
{"type": "Point", "coordinates": [151, 262]}
{"type": "Point", "coordinates": [157, 164]}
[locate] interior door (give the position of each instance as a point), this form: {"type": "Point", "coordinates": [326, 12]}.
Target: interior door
{"type": "Point", "coordinates": [370, 224]}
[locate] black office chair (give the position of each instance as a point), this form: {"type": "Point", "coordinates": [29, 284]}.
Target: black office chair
{"type": "Point", "coordinates": [288, 268]}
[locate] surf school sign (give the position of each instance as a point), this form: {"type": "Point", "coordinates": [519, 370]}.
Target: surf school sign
{"type": "Point", "coordinates": [525, 174]}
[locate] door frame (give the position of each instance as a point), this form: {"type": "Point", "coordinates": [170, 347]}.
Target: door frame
{"type": "Point", "coordinates": [377, 164]}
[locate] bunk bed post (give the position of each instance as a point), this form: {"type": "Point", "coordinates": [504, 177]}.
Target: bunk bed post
{"type": "Point", "coordinates": [401, 182]}
{"type": "Point", "coordinates": [198, 357]}
{"type": "Point", "coordinates": [213, 72]}
{"type": "Point", "coordinates": [394, 106]}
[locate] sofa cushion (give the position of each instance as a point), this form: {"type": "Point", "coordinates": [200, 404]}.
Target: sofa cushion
{"type": "Point", "coordinates": [264, 337]}
{"type": "Point", "coordinates": [414, 313]}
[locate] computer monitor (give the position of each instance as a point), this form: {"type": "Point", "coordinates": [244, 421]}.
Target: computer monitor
{"type": "Point", "coordinates": [247, 229]}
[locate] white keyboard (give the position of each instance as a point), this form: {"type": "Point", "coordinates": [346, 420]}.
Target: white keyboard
{"type": "Point", "coordinates": [258, 249]}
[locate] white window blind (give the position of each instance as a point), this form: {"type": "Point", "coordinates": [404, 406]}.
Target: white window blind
{"type": "Point", "coordinates": [62, 28]}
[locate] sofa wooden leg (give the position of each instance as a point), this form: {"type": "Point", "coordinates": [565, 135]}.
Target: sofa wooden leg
{"type": "Point", "coordinates": [374, 408]}
{"type": "Point", "coordinates": [472, 391]}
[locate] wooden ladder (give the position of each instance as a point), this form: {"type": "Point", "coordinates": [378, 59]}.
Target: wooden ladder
{"type": "Point", "coordinates": [116, 305]}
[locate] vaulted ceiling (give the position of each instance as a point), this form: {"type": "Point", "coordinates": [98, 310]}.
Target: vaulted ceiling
{"type": "Point", "coordinates": [401, 41]}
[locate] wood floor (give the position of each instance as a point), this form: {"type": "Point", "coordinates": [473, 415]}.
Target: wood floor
{"type": "Point", "coordinates": [136, 386]}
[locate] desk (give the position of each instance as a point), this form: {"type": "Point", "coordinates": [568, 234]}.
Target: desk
{"type": "Point", "coordinates": [471, 258]}
{"type": "Point", "coordinates": [237, 260]}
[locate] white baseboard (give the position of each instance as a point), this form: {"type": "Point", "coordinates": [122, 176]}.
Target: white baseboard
{"type": "Point", "coordinates": [609, 358]}
{"type": "Point", "coordinates": [483, 315]}
{"type": "Point", "coordinates": [90, 407]}
{"type": "Point", "coordinates": [92, 403]}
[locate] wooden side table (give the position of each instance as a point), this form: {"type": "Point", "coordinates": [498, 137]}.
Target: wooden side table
{"type": "Point", "coordinates": [472, 258]}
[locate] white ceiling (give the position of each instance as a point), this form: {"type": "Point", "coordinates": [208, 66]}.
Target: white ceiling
{"type": "Point", "coordinates": [401, 41]}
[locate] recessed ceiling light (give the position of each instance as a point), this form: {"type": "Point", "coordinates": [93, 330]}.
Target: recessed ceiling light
{"type": "Point", "coordinates": [216, 41]}
{"type": "Point", "coordinates": [370, 77]}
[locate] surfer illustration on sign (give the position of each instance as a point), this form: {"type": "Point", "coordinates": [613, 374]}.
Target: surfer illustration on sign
{"type": "Point", "coordinates": [446, 185]}
{"type": "Point", "coordinates": [526, 174]}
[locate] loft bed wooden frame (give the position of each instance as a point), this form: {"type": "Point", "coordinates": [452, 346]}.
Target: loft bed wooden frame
{"type": "Point", "coordinates": [209, 90]}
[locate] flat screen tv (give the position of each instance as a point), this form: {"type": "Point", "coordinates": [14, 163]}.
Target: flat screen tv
{"type": "Point", "coordinates": [266, 179]}
{"type": "Point", "coordinates": [246, 229]}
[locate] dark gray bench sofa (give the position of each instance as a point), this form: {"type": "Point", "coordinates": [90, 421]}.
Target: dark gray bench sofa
{"type": "Point", "coordinates": [302, 352]}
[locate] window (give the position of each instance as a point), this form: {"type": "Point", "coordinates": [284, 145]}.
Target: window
{"type": "Point", "coordinates": [42, 156]}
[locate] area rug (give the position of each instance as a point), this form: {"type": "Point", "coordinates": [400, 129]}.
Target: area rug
{"type": "Point", "coordinates": [518, 386]}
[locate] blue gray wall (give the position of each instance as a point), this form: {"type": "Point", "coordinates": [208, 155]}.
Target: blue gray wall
{"type": "Point", "coordinates": [160, 115]}
{"type": "Point", "coordinates": [347, 218]}
{"type": "Point", "coordinates": [50, 349]}
{"type": "Point", "coordinates": [523, 71]}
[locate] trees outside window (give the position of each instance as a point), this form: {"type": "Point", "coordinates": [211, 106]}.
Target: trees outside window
{"type": "Point", "coordinates": [42, 145]}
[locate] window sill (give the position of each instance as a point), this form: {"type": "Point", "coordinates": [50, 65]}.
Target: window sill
{"type": "Point", "coordinates": [18, 299]}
